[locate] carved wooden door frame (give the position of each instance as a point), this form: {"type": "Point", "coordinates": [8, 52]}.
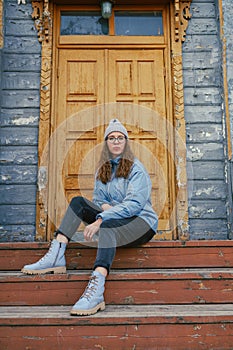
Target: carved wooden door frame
{"type": "Point", "coordinates": [43, 16]}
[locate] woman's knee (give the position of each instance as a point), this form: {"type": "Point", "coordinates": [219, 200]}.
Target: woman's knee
{"type": "Point", "coordinates": [76, 201]}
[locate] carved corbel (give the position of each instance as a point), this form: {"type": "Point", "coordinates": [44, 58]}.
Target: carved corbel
{"type": "Point", "coordinates": [182, 16]}
{"type": "Point", "coordinates": [42, 17]}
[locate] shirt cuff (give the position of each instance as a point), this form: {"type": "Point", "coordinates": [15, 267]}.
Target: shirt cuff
{"type": "Point", "coordinates": [98, 216]}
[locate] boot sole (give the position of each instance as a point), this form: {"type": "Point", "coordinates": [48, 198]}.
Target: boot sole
{"type": "Point", "coordinates": [61, 269]}
{"type": "Point", "coordinates": [92, 311]}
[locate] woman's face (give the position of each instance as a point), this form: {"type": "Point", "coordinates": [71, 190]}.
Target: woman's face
{"type": "Point", "coordinates": [116, 143]}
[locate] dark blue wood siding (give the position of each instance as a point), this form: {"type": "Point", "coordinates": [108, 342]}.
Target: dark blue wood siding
{"type": "Point", "coordinates": [206, 139]}
{"type": "Point", "coordinates": [19, 123]}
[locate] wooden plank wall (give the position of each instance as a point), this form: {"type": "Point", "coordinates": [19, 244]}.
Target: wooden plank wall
{"type": "Point", "coordinates": [206, 141]}
{"type": "Point", "coordinates": [19, 123]}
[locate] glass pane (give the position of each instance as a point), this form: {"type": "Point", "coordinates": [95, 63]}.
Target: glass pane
{"type": "Point", "coordinates": [83, 23]}
{"type": "Point", "coordinates": [138, 23]}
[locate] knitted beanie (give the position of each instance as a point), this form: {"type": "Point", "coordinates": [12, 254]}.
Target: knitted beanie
{"type": "Point", "coordinates": [115, 125]}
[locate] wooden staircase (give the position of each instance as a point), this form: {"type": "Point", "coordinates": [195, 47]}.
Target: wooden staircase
{"type": "Point", "coordinates": [164, 295]}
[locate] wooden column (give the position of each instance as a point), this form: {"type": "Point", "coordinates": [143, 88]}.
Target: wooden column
{"type": "Point", "coordinates": [42, 14]}
{"type": "Point", "coordinates": [180, 16]}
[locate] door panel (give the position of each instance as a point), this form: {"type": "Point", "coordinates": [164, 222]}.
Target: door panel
{"type": "Point", "coordinates": [80, 88]}
{"type": "Point", "coordinates": [137, 77]}
{"type": "Point", "coordinates": [94, 86]}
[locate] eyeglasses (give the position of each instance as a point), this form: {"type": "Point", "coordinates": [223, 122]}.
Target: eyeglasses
{"type": "Point", "coordinates": [119, 139]}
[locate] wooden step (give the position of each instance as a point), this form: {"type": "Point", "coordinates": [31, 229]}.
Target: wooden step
{"type": "Point", "coordinates": [119, 327]}
{"type": "Point", "coordinates": [164, 295]}
{"type": "Point", "coordinates": [141, 286]}
{"type": "Point", "coordinates": [172, 254]}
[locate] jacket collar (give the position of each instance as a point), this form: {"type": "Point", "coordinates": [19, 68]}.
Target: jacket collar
{"type": "Point", "coordinates": [115, 161]}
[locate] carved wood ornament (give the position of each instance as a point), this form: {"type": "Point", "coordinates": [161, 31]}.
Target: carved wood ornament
{"type": "Point", "coordinates": [180, 15]}
{"type": "Point", "coordinates": [42, 14]}
{"type": "Point", "coordinates": [42, 17]}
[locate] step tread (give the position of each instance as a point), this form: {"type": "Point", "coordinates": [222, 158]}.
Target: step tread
{"type": "Point", "coordinates": [119, 314]}
{"type": "Point", "coordinates": [123, 287]}
{"type": "Point", "coordinates": [127, 274]}
{"type": "Point", "coordinates": [118, 327]}
{"type": "Point", "coordinates": [151, 244]}
{"type": "Point", "coordinates": [172, 254]}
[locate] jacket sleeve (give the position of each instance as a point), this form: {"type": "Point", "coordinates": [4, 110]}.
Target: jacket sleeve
{"type": "Point", "coordinates": [138, 193]}
{"type": "Point", "coordinates": [100, 196]}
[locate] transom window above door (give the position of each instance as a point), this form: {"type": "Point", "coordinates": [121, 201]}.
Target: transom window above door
{"type": "Point", "coordinates": [121, 23]}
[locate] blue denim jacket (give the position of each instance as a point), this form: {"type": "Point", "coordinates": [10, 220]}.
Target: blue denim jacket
{"type": "Point", "coordinates": [128, 197]}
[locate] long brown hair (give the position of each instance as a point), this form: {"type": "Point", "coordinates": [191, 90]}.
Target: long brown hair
{"type": "Point", "coordinates": [123, 169]}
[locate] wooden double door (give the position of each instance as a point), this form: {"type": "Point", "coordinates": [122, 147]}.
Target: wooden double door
{"type": "Point", "coordinates": [94, 85]}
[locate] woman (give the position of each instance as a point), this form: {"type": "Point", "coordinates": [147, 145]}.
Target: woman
{"type": "Point", "coordinates": [120, 214]}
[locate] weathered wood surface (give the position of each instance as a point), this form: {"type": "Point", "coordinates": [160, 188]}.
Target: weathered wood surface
{"type": "Point", "coordinates": [205, 140]}
{"type": "Point", "coordinates": [201, 114]}
{"type": "Point", "coordinates": [19, 117]}
{"type": "Point", "coordinates": [20, 83]}
{"type": "Point", "coordinates": [10, 192]}
{"type": "Point", "coordinates": [173, 254]}
{"type": "Point", "coordinates": [118, 327]}
{"type": "Point", "coordinates": [118, 314]}
{"type": "Point", "coordinates": [147, 306]}
{"type": "Point", "coordinates": [183, 286]}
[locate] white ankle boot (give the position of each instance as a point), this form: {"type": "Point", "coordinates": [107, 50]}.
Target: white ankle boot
{"type": "Point", "coordinates": [53, 261]}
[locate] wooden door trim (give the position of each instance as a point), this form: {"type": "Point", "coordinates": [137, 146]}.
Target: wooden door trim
{"type": "Point", "coordinates": [43, 14]}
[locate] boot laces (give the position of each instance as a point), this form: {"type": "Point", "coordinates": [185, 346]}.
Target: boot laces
{"type": "Point", "coordinates": [47, 254]}
{"type": "Point", "coordinates": [91, 288]}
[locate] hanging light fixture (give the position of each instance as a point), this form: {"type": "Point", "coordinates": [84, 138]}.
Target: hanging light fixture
{"type": "Point", "coordinates": [106, 8]}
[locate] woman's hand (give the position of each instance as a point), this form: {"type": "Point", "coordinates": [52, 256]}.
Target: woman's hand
{"type": "Point", "coordinates": [91, 229]}
{"type": "Point", "coordinates": [106, 206]}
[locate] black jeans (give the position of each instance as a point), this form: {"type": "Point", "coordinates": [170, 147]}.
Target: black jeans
{"type": "Point", "coordinates": [113, 233]}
